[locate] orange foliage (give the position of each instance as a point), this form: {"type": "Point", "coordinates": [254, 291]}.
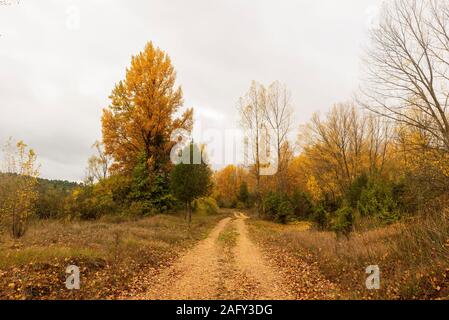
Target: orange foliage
{"type": "Point", "coordinates": [140, 119]}
{"type": "Point", "coordinates": [227, 183]}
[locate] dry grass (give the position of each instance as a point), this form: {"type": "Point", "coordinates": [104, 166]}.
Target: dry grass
{"type": "Point", "coordinates": [413, 256]}
{"type": "Point", "coordinates": [109, 254]}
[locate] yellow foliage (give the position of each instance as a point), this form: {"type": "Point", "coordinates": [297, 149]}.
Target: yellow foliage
{"type": "Point", "coordinates": [140, 119]}
{"type": "Point", "coordinates": [19, 188]}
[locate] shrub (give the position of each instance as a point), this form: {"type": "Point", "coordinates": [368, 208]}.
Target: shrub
{"type": "Point", "coordinates": [284, 212]}
{"type": "Point", "coordinates": [278, 208]}
{"type": "Point", "coordinates": [243, 196]}
{"type": "Point", "coordinates": [271, 205]}
{"type": "Point", "coordinates": [240, 206]}
{"type": "Point", "coordinates": [302, 205]}
{"type": "Point", "coordinates": [376, 200]}
{"type": "Point", "coordinates": [205, 206]}
{"type": "Point", "coordinates": [150, 188]}
{"type": "Point", "coordinates": [320, 216]}
{"type": "Point", "coordinates": [140, 209]}
{"type": "Point", "coordinates": [355, 190]}
{"type": "Point", "coordinates": [343, 221]}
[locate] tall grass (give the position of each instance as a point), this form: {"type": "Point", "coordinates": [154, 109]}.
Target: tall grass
{"type": "Point", "coordinates": [109, 254]}
{"type": "Point", "coordinates": [413, 256]}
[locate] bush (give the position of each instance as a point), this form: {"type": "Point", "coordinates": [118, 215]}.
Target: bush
{"type": "Point", "coordinates": [343, 221]}
{"type": "Point", "coordinates": [285, 211]}
{"type": "Point", "coordinates": [376, 200]}
{"type": "Point", "coordinates": [320, 216]}
{"type": "Point", "coordinates": [302, 205]}
{"type": "Point", "coordinates": [243, 196]}
{"type": "Point", "coordinates": [241, 206]}
{"type": "Point", "coordinates": [140, 209]}
{"type": "Point", "coordinates": [86, 204]}
{"type": "Point", "coordinates": [154, 189]}
{"type": "Point", "coordinates": [355, 190]}
{"type": "Point", "coordinates": [205, 206]}
{"type": "Point", "coordinates": [278, 208]}
{"type": "Point", "coordinates": [271, 205]}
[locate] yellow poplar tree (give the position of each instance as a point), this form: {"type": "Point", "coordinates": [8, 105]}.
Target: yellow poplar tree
{"type": "Point", "coordinates": [141, 117]}
{"type": "Point", "coordinates": [19, 190]}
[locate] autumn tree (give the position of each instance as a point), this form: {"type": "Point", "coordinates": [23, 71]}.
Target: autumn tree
{"type": "Point", "coordinates": [141, 116]}
{"type": "Point", "coordinates": [227, 182]}
{"type": "Point", "coordinates": [407, 77]}
{"type": "Point", "coordinates": [18, 191]}
{"type": "Point", "coordinates": [98, 164]}
{"type": "Point", "coordinates": [340, 147]}
{"type": "Point", "coordinates": [278, 114]}
{"type": "Point", "coordinates": [253, 121]}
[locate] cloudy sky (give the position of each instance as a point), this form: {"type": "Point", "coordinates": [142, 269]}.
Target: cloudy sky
{"type": "Point", "coordinates": [59, 60]}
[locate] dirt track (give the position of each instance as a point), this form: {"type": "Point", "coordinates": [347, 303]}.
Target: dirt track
{"type": "Point", "coordinates": [226, 265]}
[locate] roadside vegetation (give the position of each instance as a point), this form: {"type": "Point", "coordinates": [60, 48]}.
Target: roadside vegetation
{"type": "Point", "coordinates": [111, 255]}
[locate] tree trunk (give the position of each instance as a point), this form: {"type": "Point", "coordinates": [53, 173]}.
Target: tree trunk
{"type": "Point", "coordinates": [189, 213]}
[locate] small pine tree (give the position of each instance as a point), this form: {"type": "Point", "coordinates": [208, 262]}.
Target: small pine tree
{"type": "Point", "coordinates": [190, 181]}
{"type": "Point", "coordinates": [344, 221]}
{"type": "Point", "coordinates": [320, 217]}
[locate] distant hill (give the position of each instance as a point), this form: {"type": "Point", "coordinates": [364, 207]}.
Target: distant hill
{"type": "Point", "coordinates": [52, 196]}
{"type": "Point", "coordinates": [50, 184]}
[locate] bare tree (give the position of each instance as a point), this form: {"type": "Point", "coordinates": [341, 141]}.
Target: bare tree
{"type": "Point", "coordinates": [378, 140]}
{"type": "Point", "coordinates": [278, 115]}
{"type": "Point", "coordinates": [251, 108]}
{"type": "Point", "coordinates": [98, 165]}
{"type": "Point", "coordinates": [338, 145]}
{"type": "Point", "coordinates": [408, 67]}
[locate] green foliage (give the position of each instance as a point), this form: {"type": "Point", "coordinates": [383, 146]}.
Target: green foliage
{"type": "Point", "coordinates": [107, 197]}
{"type": "Point", "coordinates": [141, 182]}
{"type": "Point", "coordinates": [190, 181]}
{"type": "Point", "coordinates": [355, 190]}
{"type": "Point", "coordinates": [243, 197]}
{"type": "Point", "coordinates": [85, 205]}
{"type": "Point", "coordinates": [271, 205]}
{"type": "Point", "coordinates": [376, 200]}
{"type": "Point", "coordinates": [320, 216]}
{"type": "Point", "coordinates": [139, 209]}
{"type": "Point", "coordinates": [302, 205]}
{"type": "Point", "coordinates": [50, 203]}
{"type": "Point", "coordinates": [343, 221]}
{"type": "Point", "coordinates": [160, 197]}
{"type": "Point", "coordinates": [205, 206]}
{"type": "Point", "coordinates": [278, 208]}
{"type": "Point", "coordinates": [150, 190]}
{"type": "Point", "coordinates": [285, 211]}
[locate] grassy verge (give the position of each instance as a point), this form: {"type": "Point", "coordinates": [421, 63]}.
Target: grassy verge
{"type": "Point", "coordinates": [413, 257]}
{"type": "Point", "coordinates": [109, 254]}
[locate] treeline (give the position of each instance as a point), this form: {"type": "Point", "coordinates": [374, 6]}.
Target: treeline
{"type": "Point", "coordinates": [52, 195]}
{"type": "Point", "coordinates": [372, 161]}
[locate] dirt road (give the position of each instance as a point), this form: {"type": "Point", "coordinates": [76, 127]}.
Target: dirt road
{"type": "Point", "coordinates": [226, 265]}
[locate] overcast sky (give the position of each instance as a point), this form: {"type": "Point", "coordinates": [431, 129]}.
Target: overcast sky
{"type": "Point", "coordinates": [59, 61]}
